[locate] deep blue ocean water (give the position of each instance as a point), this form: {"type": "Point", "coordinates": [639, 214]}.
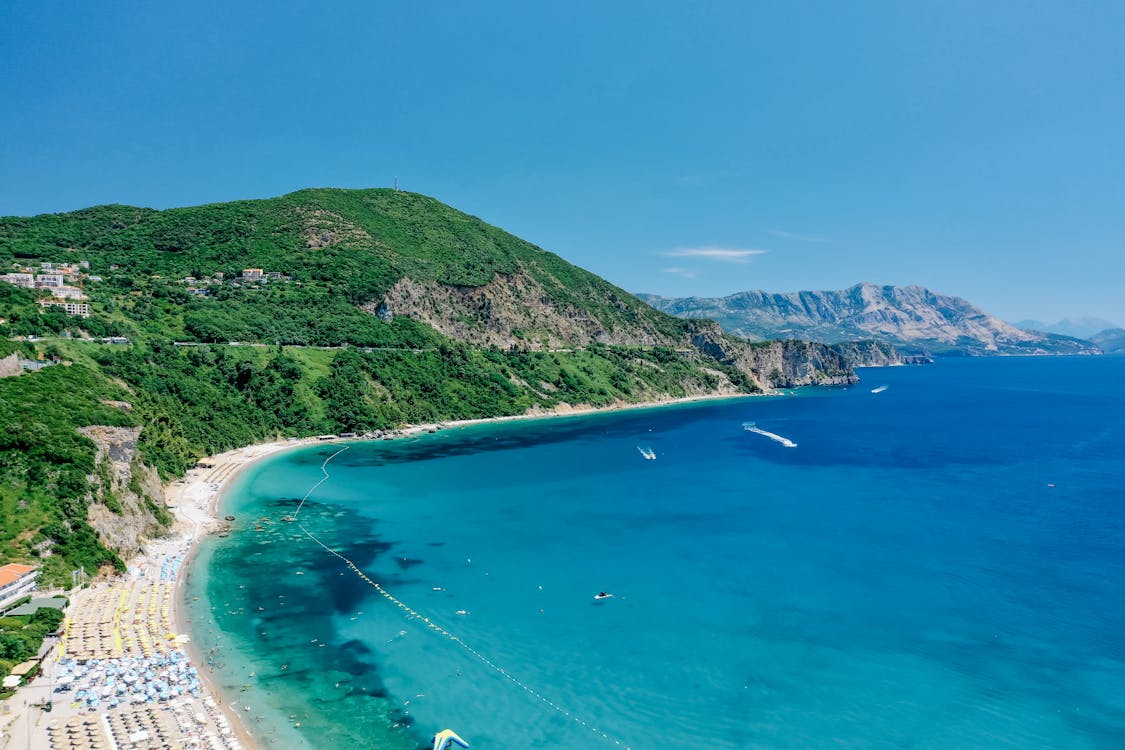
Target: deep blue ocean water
{"type": "Point", "coordinates": [939, 565]}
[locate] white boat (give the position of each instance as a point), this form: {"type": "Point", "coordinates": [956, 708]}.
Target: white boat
{"type": "Point", "coordinates": [602, 596]}
{"type": "Point", "coordinates": [880, 389]}
{"type": "Point", "coordinates": [647, 452]}
{"type": "Point", "coordinates": [751, 427]}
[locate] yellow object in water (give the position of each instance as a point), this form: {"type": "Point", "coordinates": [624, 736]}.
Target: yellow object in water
{"type": "Point", "coordinates": [445, 737]}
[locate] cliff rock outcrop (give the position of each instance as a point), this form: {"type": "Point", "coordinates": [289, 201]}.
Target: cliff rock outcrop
{"type": "Point", "coordinates": [127, 504]}
{"type": "Point", "coordinates": [515, 310]}
{"type": "Point", "coordinates": [511, 310]}
{"type": "Point", "coordinates": [10, 366]}
{"type": "Point", "coordinates": [869, 354]}
{"type": "Point", "coordinates": [776, 364]}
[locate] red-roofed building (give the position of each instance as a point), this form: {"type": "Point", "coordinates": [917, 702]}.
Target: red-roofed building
{"type": "Point", "coordinates": [16, 581]}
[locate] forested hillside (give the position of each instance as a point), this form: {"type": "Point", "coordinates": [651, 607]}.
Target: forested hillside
{"type": "Point", "coordinates": [322, 311]}
{"type": "Point", "coordinates": [340, 250]}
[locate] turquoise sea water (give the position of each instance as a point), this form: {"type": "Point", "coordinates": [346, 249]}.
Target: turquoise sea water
{"type": "Point", "coordinates": [939, 565]}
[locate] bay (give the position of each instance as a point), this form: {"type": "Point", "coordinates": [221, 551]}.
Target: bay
{"type": "Point", "coordinates": [935, 565]}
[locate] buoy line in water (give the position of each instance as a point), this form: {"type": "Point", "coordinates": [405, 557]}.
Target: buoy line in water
{"type": "Point", "coordinates": [313, 488]}
{"type": "Point", "coordinates": [438, 628]}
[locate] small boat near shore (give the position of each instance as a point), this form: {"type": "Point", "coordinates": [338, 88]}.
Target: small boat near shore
{"type": "Point", "coordinates": [880, 389]}
{"type": "Point", "coordinates": [601, 596]}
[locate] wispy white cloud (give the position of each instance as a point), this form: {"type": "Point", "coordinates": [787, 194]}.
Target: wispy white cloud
{"type": "Point", "coordinates": [798, 237]}
{"type": "Point", "coordinates": [721, 254]}
{"type": "Point", "coordinates": [687, 273]}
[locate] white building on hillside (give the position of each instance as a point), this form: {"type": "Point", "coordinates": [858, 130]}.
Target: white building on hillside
{"type": "Point", "coordinates": [26, 280]}
{"type": "Point", "coordinates": [68, 292]}
{"type": "Point", "coordinates": [72, 309]}
{"type": "Point", "coordinates": [49, 280]}
{"type": "Point", "coordinates": [16, 581]}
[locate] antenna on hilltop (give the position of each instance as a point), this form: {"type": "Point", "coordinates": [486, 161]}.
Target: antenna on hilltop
{"type": "Point", "coordinates": [396, 183]}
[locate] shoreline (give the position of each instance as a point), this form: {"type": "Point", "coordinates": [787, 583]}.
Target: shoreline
{"type": "Point", "coordinates": [202, 496]}
{"type": "Point", "coordinates": [206, 498]}
{"type": "Point", "coordinates": [195, 501]}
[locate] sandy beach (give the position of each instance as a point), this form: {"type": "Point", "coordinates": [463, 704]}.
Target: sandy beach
{"type": "Point", "coordinates": [132, 677]}
{"type": "Point", "coordinates": [123, 674]}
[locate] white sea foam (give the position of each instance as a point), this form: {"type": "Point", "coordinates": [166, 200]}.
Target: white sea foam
{"type": "Point", "coordinates": [751, 427]}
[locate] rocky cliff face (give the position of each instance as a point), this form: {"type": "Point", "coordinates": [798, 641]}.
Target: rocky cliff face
{"type": "Point", "coordinates": [787, 364]}
{"type": "Point", "coordinates": [10, 366]}
{"type": "Point", "coordinates": [515, 310]}
{"type": "Point", "coordinates": [776, 364]}
{"type": "Point", "coordinates": [911, 317]}
{"type": "Point", "coordinates": [127, 503]}
{"type": "Point", "coordinates": [511, 310]}
{"type": "Point", "coordinates": [877, 354]}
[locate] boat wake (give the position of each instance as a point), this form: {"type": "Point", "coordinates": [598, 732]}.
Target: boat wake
{"type": "Point", "coordinates": [647, 452]}
{"type": "Point", "coordinates": [751, 427]}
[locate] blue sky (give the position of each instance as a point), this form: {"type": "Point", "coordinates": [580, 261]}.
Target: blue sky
{"type": "Point", "coordinates": [974, 148]}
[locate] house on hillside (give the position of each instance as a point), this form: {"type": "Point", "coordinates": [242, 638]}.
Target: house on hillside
{"type": "Point", "coordinates": [33, 606]}
{"type": "Point", "coordinates": [16, 582]}
{"type": "Point", "coordinates": [49, 280]}
{"type": "Point", "coordinates": [31, 365]}
{"type": "Point", "coordinates": [25, 280]}
{"type": "Point", "coordinates": [72, 309]}
{"type": "Point", "coordinates": [68, 292]}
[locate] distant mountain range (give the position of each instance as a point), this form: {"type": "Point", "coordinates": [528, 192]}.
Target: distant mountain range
{"type": "Point", "coordinates": [913, 318]}
{"type": "Point", "coordinates": [1111, 340]}
{"type": "Point", "coordinates": [1082, 328]}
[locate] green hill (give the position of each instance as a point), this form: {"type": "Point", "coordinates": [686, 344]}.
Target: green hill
{"type": "Point", "coordinates": [319, 311]}
{"type": "Point", "coordinates": [340, 248]}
